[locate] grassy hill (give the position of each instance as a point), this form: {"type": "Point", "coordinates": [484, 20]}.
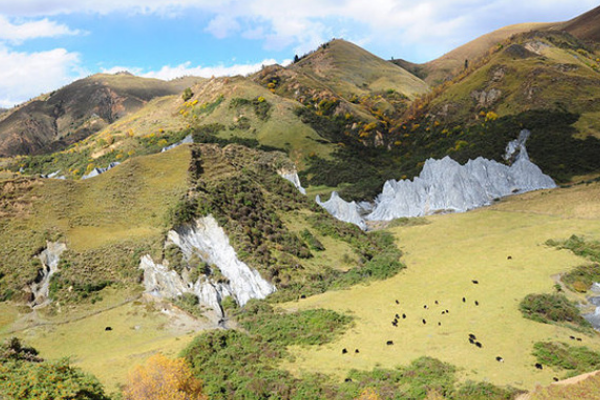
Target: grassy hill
{"type": "Point", "coordinates": [437, 71]}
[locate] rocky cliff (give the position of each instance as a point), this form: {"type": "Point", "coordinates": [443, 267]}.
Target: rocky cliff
{"type": "Point", "coordinates": [206, 240]}
{"type": "Point", "coordinates": [39, 288]}
{"type": "Point", "coordinates": [446, 186]}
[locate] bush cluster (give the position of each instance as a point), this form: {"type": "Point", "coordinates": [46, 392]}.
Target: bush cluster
{"type": "Point", "coordinates": [576, 359]}
{"type": "Point", "coordinates": [549, 308]}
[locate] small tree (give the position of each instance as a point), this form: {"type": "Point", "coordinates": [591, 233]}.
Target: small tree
{"type": "Point", "coordinates": [162, 378]}
{"type": "Point", "coordinates": [187, 94]}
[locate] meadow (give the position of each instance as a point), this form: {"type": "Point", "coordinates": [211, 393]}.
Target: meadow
{"type": "Point", "coordinates": [500, 247]}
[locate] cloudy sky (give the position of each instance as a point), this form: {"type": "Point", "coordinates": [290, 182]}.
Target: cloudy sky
{"type": "Point", "coordinates": [45, 44]}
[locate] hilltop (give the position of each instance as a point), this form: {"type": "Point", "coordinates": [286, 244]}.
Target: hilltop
{"type": "Point", "coordinates": [70, 114]}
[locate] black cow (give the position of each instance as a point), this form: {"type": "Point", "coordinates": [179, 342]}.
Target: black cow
{"type": "Point", "coordinates": [539, 366]}
{"type": "Point", "coordinates": [344, 351]}
{"type": "Point", "coordinates": [108, 328]}
{"type": "Point", "coordinates": [389, 342]}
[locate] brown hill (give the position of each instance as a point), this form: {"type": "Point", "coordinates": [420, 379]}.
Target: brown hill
{"type": "Point", "coordinates": [438, 70]}
{"type": "Point", "coordinates": [72, 113]}
{"type": "Point", "coordinates": [584, 27]}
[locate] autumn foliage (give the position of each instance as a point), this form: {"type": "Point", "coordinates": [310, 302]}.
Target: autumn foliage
{"type": "Point", "coordinates": [162, 378]}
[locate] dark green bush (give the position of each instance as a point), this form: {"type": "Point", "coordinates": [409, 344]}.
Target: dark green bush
{"type": "Point", "coordinates": [548, 308]}
{"type": "Point", "coordinates": [577, 360]}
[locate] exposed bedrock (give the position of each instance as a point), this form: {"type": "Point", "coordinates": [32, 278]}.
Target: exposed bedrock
{"type": "Point", "coordinates": [39, 288]}
{"type": "Point", "coordinates": [446, 186]}
{"type": "Point", "coordinates": [208, 241]}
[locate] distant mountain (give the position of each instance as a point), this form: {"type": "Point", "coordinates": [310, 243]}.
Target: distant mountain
{"type": "Point", "coordinates": [72, 113]}
{"type": "Point", "coordinates": [585, 27]}
{"type": "Point", "coordinates": [453, 62]}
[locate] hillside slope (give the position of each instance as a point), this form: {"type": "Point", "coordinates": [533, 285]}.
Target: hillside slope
{"type": "Point", "coordinates": [72, 113]}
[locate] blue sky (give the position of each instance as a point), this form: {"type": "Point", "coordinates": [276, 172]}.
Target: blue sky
{"type": "Point", "coordinates": [45, 44]}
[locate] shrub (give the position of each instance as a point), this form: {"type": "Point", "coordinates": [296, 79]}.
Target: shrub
{"type": "Point", "coordinates": [25, 376]}
{"type": "Point", "coordinates": [582, 278]}
{"type": "Point", "coordinates": [187, 94]}
{"type": "Point", "coordinates": [161, 378]}
{"type": "Point", "coordinates": [578, 360]}
{"type": "Point", "coordinates": [548, 308]}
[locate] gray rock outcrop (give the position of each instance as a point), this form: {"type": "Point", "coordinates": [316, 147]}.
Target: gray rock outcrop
{"type": "Point", "coordinates": [292, 176]}
{"type": "Point", "coordinates": [99, 171]}
{"type": "Point", "coordinates": [446, 186]}
{"type": "Point", "coordinates": [343, 210]}
{"type": "Point", "coordinates": [187, 140]}
{"type": "Point", "coordinates": [207, 240]}
{"type": "Point", "coordinates": [40, 287]}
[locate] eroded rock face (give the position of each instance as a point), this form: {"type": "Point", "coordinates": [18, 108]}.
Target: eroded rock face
{"type": "Point", "coordinates": [446, 186]}
{"type": "Point", "coordinates": [343, 210]}
{"type": "Point", "coordinates": [292, 176]}
{"type": "Point", "coordinates": [39, 288]}
{"type": "Point", "coordinates": [207, 240]}
{"type": "Point", "coordinates": [100, 171]}
{"type": "Point", "coordinates": [186, 140]}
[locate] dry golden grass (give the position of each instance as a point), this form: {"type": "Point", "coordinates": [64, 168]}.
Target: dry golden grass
{"type": "Point", "coordinates": [443, 258]}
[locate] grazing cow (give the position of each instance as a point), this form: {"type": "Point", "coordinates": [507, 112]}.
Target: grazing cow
{"type": "Point", "coordinates": [389, 342]}
{"type": "Point", "coordinates": [447, 312]}
{"type": "Point", "coordinates": [356, 351]}
{"type": "Point", "coordinates": [348, 380]}
{"type": "Point", "coordinates": [424, 322]}
{"type": "Point", "coordinates": [539, 366]}
{"type": "Point", "coordinates": [555, 379]}
{"type": "Point", "coordinates": [572, 337]}
{"type": "Point", "coordinates": [397, 302]}
{"type": "Point", "coordinates": [579, 339]}
{"type": "Point", "coordinates": [395, 323]}
{"type": "Point", "coordinates": [443, 312]}
{"type": "Point", "coordinates": [439, 324]}
{"type": "Point", "coordinates": [471, 336]}
{"type": "Point", "coordinates": [344, 351]}
{"type": "Point", "coordinates": [478, 344]}
{"type": "Point", "coordinates": [436, 302]}
{"type": "Point", "coordinates": [302, 296]}
{"type": "Point", "coordinates": [499, 359]}
{"type": "Point", "coordinates": [509, 258]}
{"type": "Point", "coordinates": [403, 316]}
{"type": "Point", "coordinates": [425, 306]}
{"type": "Point", "coordinates": [476, 303]}
{"type": "Point", "coordinates": [108, 328]}
{"type": "Point", "coordinates": [397, 316]}
{"type": "Point", "coordinates": [471, 340]}
{"type": "Point", "coordinates": [464, 300]}
{"type": "Point", "coordinates": [475, 282]}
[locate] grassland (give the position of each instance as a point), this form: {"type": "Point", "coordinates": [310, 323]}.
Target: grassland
{"type": "Point", "coordinates": [442, 259]}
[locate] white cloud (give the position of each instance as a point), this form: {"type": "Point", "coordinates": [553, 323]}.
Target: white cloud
{"type": "Point", "coordinates": [17, 33]}
{"type": "Point", "coordinates": [26, 75]}
{"type": "Point", "coordinates": [168, 72]}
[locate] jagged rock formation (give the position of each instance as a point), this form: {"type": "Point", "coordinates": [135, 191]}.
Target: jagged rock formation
{"type": "Point", "coordinates": [343, 210]}
{"type": "Point", "coordinates": [53, 175]}
{"type": "Point", "coordinates": [186, 140]}
{"type": "Point", "coordinates": [40, 286]}
{"type": "Point", "coordinates": [98, 171]}
{"type": "Point", "coordinates": [207, 240]}
{"type": "Point", "coordinates": [446, 186]}
{"type": "Point", "coordinates": [292, 176]}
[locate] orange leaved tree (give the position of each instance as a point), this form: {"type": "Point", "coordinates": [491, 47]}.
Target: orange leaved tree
{"type": "Point", "coordinates": [162, 378]}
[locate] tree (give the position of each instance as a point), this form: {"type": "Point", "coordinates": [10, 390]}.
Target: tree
{"type": "Point", "coordinates": [187, 94]}
{"type": "Point", "coordinates": [162, 378]}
